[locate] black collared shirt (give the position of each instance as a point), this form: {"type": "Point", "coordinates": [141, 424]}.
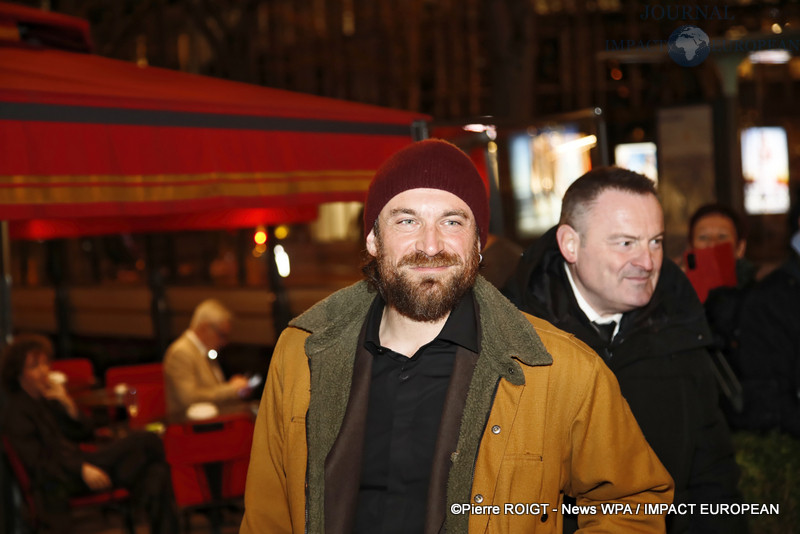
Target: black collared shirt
{"type": "Point", "coordinates": [406, 399]}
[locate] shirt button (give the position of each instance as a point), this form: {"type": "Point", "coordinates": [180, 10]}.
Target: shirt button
{"type": "Point", "coordinates": [478, 498]}
{"type": "Point", "coordinates": [496, 429]}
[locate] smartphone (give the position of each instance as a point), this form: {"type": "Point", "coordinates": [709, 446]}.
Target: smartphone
{"type": "Point", "coordinates": [709, 268]}
{"type": "Point", "coordinates": [254, 380]}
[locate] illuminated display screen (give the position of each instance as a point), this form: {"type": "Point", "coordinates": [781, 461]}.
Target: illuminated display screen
{"type": "Point", "coordinates": [765, 168]}
{"type": "Point", "coordinates": [543, 163]}
{"type": "Point", "coordinates": [637, 157]}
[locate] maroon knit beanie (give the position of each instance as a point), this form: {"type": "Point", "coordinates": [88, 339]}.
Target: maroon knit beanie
{"type": "Point", "coordinates": [432, 164]}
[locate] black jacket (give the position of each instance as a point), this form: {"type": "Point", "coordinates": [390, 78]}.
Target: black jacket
{"type": "Point", "coordinates": [770, 351]}
{"type": "Point", "coordinates": [45, 438]}
{"type": "Point", "coordinates": [661, 361]}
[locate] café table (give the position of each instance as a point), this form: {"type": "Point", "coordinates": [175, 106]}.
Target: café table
{"type": "Point", "coordinates": [226, 411]}
{"type": "Point", "coordinates": [101, 404]}
{"type": "Point", "coordinates": [209, 458]}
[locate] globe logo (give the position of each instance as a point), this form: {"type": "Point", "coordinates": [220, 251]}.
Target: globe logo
{"type": "Point", "coordinates": [689, 46]}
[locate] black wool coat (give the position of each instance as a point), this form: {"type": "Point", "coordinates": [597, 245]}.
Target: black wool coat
{"type": "Point", "coordinates": [45, 438]}
{"type": "Point", "coordinates": [769, 341]}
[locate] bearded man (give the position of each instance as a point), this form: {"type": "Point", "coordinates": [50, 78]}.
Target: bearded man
{"type": "Point", "coordinates": [421, 400]}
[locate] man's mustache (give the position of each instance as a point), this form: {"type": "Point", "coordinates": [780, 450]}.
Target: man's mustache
{"type": "Point", "coordinates": [420, 259]}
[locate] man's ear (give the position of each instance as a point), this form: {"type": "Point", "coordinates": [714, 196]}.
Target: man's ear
{"type": "Point", "coordinates": [568, 242]}
{"type": "Point", "coordinates": [371, 247]}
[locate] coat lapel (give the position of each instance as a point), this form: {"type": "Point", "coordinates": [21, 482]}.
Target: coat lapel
{"type": "Point", "coordinates": [343, 463]}
{"type": "Point", "coordinates": [335, 324]}
{"type": "Point", "coordinates": [447, 439]}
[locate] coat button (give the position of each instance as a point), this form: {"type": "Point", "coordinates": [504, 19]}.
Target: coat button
{"type": "Point", "coordinates": [478, 498]}
{"type": "Point", "coordinates": [496, 429]}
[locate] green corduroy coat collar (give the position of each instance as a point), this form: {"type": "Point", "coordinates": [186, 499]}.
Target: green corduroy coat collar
{"type": "Point", "coordinates": [507, 340]}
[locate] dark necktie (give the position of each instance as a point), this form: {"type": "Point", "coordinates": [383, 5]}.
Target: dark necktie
{"type": "Point", "coordinates": [606, 330]}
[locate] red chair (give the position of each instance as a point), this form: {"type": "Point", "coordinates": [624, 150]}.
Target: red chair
{"type": "Point", "coordinates": [147, 380]}
{"type": "Point", "coordinates": [79, 371]}
{"type": "Point", "coordinates": [208, 462]}
{"type": "Point", "coordinates": [146, 373]}
{"type": "Point", "coordinates": [118, 497]}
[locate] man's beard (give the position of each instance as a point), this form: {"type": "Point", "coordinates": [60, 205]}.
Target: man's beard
{"type": "Point", "coordinates": [432, 297]}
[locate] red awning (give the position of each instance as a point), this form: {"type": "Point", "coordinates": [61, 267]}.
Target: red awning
{"type": "Point", "coordinates": [107, 144]}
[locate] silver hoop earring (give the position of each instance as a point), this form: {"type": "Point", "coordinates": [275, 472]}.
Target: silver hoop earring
{"type": "Point", "coordinates": [480, 257]}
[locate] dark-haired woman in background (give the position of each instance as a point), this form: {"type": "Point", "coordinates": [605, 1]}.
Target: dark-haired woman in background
{"type": "Point", "coordinates": [45, 428]}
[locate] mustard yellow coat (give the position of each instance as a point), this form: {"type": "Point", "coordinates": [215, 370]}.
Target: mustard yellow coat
{"type": "Point", "coordinates": [557, 424]}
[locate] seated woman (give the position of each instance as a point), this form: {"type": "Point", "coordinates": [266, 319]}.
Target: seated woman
{"type": "Point", "coordinates": [45, 428]}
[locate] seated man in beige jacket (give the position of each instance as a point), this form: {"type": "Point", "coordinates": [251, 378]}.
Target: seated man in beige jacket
{"type": "Point", "coordinates": [191, 371]}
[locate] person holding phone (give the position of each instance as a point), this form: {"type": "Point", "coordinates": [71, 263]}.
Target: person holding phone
{"type": "Point", "coordinates": [716, 225]}
{"type": "Point", "coordinates": [191, 371]}
{"type": "Point", "coordinates": [712, 225]}
{"type": "Point", "coordinates": [718, 241]}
